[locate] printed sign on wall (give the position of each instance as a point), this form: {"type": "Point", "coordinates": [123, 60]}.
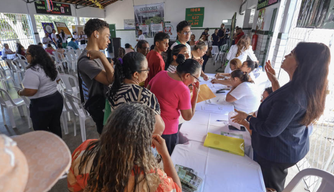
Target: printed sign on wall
{"type": "Point", "coordinates": [58, 8]}
{"type": "Point", "coordinates": [195, 16]}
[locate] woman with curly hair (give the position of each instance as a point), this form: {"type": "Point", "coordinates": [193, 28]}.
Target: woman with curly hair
{"type": "Point", "coordinates": [240, 51]}
{"type": "Point", "coordinates": [122, 159]}
{"type": "Point", "coordinates": [40, 86]}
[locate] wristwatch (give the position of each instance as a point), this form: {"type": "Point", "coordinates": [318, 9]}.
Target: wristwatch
{"type": "Point", "coordinates": [248, 118]}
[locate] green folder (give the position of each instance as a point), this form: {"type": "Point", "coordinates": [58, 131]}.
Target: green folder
{"type": "Point", "coordinates": [225, 143]}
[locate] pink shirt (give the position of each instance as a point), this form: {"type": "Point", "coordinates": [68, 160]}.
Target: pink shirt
{"type": "Point", "coordinates": [173, 96]}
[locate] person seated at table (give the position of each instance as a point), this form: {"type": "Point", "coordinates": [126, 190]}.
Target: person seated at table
{"type": "Point", "coordinates": [178, 49]}
{"type": "Point", "coordinates": [20, 49]}
{"type": "Point", "coordinates": [280, 135]}
{"type": "Point", "coordinates": [73, 44]}
{"type": "Point", "coordinates": [125, 88]}
{"type": "Point", "coordinates": [242, 50]}
{"type": "Point", "coordinates": [122, 159]}
{"type": "Point", "coordinates": [173, 94]}
{"type": "Point", "coordinates": [267, 91]}
{"type": "Point", "coordinates": [50, 49]}
{"type": "Point", "coordinates": [248, 67]}
{"type": "Point", "coordinates": [244, 93]}
{"type": "Point", "coordinates": [234, 65]}
{"type": "Point", "coordinates": [6, 50]}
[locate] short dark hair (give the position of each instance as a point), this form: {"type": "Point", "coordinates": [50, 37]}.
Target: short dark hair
{"type": "Point", "coordinates": [72, 39]}
{"type": "Point", "coordinates": [207, 29]}
{"type": "Point", "coordinates": [160, 37]}
{"type": "Point", "coordinates": [269, 90]}
{"type": "Point", "coordinates": [140, 30]}
{"type": "Point", "coordinates": [94, 25]}
{"type": "Point", "coordinates": [141, 43]}
{"type": "Point", "coordinates": [182, 25]}
{"type": "Point", "coordinates": [251, 64]}
{"type": "Point", "coordinates": [74, 32]}
{"type": "Point", "coordinates": [127, 45]}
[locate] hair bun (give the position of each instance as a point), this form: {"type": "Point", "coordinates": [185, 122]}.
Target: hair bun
{"type": "Point", "coordinates": [180, 59]}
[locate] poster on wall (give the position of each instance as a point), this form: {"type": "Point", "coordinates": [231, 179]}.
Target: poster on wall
{"type": "Point", "coordinates": [62, 26]}
{"type": "Point", "coordinates": [58, 8]}
{"type": "Point", "coordinates": [265, 3]}
{"type": "Point", "coordinates": [316, 14]}
{"type": "Point", "coordinates": [78, 28]}
{"type": "Point", "coordinates": [260, 19]}
{"type": "Point", "coordinates": [48, 27]}
{"type": "Point", "coordinates": [170, 29]}
{"type": "Point", "coordinates": [149, 18]}
{"type": "Point", "coordinates": [195, 16]}
{"type": "Point", "coordinates": [129, 24]}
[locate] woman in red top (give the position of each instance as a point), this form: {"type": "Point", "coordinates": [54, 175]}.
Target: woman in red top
{"type": "Point", "coordinates": [122, 159]}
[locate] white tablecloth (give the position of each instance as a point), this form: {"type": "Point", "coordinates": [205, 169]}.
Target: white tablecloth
{"type": "Point", "coordinates": [221, 171]}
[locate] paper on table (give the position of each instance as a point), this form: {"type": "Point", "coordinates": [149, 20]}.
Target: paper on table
{"type": "Point", "coordinates": [224, 143]}
{"type": "Point", "coordinates": [205, 93]}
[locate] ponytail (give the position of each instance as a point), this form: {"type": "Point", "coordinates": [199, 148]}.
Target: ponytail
{"type": "Point", "coordinates": [251, 64]}
{"type": "Point", "coordinates": [175, 51]}
{"type": "Point", "coordinates": [243, 76]}
{"type": "Point", "coordinates": [187, 66]}
{"type": "Point", "coordinates": [131, 64]}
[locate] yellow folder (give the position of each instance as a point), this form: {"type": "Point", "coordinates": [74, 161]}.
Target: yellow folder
{"type": "Point", "coordinates": [205, 93]}
{"type": "Point", "coordinates": [225, 143]}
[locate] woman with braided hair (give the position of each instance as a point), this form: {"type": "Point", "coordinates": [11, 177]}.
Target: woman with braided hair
{"type": "Point", "coordinates": [122, 159]}
{"type": "Point", "coordinates": [128, 74]}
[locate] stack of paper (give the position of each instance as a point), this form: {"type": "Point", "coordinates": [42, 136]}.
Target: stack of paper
{"type": "Point", "coordinates": [225, 143]}
{"type": "Point", "coordinates": [205, 93]}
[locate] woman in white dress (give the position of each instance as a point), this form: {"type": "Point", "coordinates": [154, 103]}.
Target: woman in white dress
{"type": "Point", "coordinates": [241, 50]}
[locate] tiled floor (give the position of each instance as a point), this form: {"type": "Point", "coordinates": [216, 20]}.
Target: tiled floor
{"type": "Point", "coordinates": [74, 141]}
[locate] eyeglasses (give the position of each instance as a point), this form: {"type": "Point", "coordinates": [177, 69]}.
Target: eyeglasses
{"type": "Point", "coordinates": [187, 32]}
{"type": "Point", "coordinates": [148, 69]}
{"type": "Point", "coordinates": [195, 78]}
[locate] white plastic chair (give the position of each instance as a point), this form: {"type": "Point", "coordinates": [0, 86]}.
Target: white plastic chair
{"type": "Point", "coordinates": [4, 79]}
{"type": "Point", "coordinates": [19, 56]}
{"type": "Point", "coordinates": [327, 182]}
{"type": "Point", "coordinates": [71, 59]}
{"type": "Point", "coordinates": [15, 70]}
{"type": "Point", "coordinates": [60, 65]}
{"type": "Point", "coordinates": [22, 63]}
{"type": "Point", "coordinates": [66, 79]}
{"type": "Point", "coordinates": [27, 102]}
{"type": "Point", "coordinates": [78, 111]}
{"type": "Point", "coordinates": [10, 104]}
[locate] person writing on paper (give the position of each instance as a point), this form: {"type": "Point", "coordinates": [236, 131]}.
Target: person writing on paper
{"type": "Point", "coordinates": [241, 50]}
{"type": "Point", "coordinates": [280, 135]}
{"type": "Point", "coordinates": [244, 93]}
{"type": "Point", "coordinates": [234, 65]}
{"type": "Point", "coordinates": [122, 158]}
{"type": "Point", "coordinates": [125, 88]}
{"type": "Point", "coordinates": [173, 94]}
{"type": "Point", "coordinates": [267, 91]}
{"type": "Point", "coordinates": [197, 53]}
{"type": "Point", "coordinates": [247, 67]}
{"type": "Point", "coordinates": [178, 49]}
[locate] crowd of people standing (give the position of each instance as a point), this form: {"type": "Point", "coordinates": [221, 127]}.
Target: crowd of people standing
{"type": "Point", "coordinates": [146, 95]}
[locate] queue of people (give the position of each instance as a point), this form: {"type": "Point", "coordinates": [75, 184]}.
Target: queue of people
{"type": "Point", "coordinates": [145, 102]}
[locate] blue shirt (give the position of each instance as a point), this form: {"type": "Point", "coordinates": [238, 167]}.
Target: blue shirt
{"type": "Point", "coordinates": [73, 44]}
{"type": "Point", "coordinates": [277, 134]}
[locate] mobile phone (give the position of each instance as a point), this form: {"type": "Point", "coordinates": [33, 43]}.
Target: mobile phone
{"type": "Point", "coordinates": [220, 91]}
{"type": "Point", "coordinates": [242, 128]}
